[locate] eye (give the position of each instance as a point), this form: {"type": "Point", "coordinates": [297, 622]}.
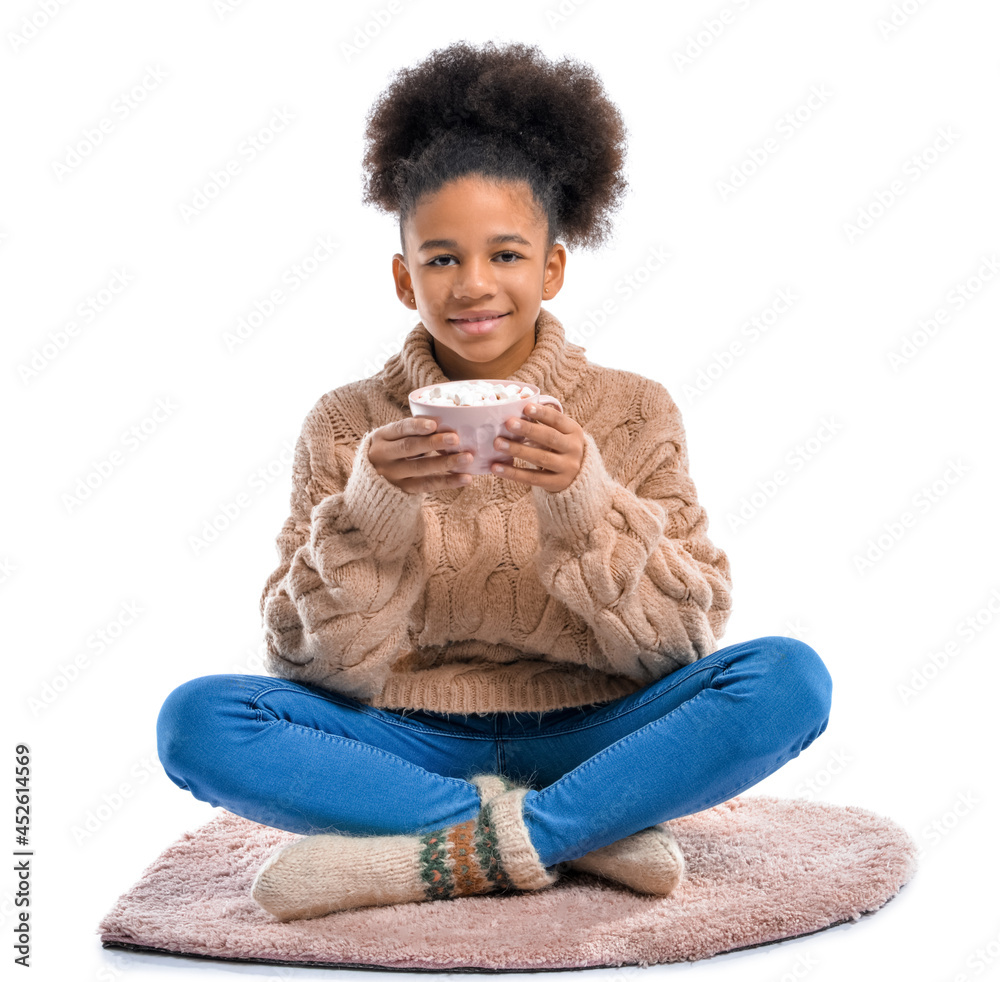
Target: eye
{"type": "Point", "coordinates": [507, 252]}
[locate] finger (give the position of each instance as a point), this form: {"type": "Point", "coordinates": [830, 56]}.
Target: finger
{"type": "Point", "coordinates": [453, 479]}
{"type": "Point", "coordinates": [544, 416]}
{"type": "Point", "coordinates": [550, 416]}
{"type": "Point", "coordinates": [436, 482]}
{"type": "Point", "coordinates": [433, 466]}
{"type": "Point", "coordinates": [523, 475]}
{"type": "Point", "coordinates": [531, 454]}
{"type": "Point", "coordinates": [415, 424]}
{"type": "Point", "coordinates": [410, 426]}
{"type": "Point", "coordinates": [541, 434]}
{"type": "Point", "coordinates": [436, 443]}
{"type": "Point", "coordinates": [408, 437]}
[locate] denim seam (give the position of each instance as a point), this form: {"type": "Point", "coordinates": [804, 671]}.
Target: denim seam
{"type": "Point", "coordinates": [501, 757]}
{"type": "Point", "coordinates": [388, 719]}
{"type": "Point", "coordinates": [361, 745]}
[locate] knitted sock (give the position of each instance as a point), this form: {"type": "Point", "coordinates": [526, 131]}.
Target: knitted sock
{"type": "Point", "coordinates": [318, 874]}
{"type": "Point", "coordinates": [648, 861]}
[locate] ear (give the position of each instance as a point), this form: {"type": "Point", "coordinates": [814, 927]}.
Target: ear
{"type": "Point", "coordinates": [403, 281]}
{"type": "Point", "coordinates": [555, 269]}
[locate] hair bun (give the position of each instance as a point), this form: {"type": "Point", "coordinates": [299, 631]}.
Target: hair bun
{"type": "Point", "coordinates": [506, 111]}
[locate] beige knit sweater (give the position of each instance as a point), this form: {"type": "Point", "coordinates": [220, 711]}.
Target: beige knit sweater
{"type": "Point", "coordinates": [495, 596]}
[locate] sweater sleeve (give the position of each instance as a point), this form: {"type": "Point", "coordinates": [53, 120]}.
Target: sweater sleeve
{"type": "Point", "coordinates": [633, 560]}
{"type": "Point", "coordinates": [336, 610]}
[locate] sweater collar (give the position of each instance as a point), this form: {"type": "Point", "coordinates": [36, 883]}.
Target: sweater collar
{"type": "Point", "coordinates": [555, 365]}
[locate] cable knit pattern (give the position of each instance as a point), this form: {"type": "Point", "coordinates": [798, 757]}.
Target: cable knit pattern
{"type": "Point", "coordinates": [495, 597]}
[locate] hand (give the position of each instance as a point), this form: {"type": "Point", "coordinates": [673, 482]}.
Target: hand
{"type": "Point", "coordinates": [404, 453]}
{"type": "Point", "coordinates": [557, 448]}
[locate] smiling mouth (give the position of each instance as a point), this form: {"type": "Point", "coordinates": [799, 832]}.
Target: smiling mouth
{"type": "Point", "coordinates": [477, 325]}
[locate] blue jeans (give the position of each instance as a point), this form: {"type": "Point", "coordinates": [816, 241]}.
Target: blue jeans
{"type": "Point", "coordinates": [307, 760]}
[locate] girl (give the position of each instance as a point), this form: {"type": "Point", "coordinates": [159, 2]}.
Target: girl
{"type": "Point", "coordinates": [481, 683]}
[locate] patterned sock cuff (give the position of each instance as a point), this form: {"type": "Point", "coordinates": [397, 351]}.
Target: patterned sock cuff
{"type": "Point", "coordinates": [461, 860]}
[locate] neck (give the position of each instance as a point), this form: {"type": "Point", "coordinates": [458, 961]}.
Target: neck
{"type": "Point", "coordinates": [457, 369]}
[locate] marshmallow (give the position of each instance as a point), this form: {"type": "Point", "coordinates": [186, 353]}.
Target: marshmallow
{"type": "Point", "coordinates": [474, 392]}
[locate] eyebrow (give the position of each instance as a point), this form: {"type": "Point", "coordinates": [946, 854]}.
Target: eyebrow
{"type": "Point", "coordinates": [452, 244]}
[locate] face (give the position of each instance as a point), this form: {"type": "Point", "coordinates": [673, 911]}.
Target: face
{"type": "Point", "coordinates": [477, 248]}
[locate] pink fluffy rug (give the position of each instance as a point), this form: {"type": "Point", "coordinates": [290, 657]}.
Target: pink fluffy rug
{"type": "Point", "coordinates": [759, 869]}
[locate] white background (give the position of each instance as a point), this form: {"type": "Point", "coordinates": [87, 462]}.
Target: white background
{"type": "Point", "coordinates": [861, 441]}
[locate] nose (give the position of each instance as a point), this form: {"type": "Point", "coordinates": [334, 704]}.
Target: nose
{"type": "Point", "coordinates": [474, 279]}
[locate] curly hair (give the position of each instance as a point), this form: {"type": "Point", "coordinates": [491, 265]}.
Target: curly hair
{"type": "Point", "coordinates": [506, 114]}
